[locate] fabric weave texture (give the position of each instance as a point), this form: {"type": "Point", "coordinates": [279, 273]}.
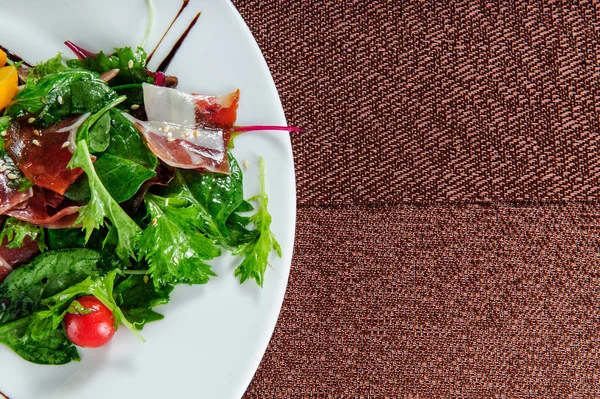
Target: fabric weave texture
{"type": "Point", "coordinates": [448, 187]}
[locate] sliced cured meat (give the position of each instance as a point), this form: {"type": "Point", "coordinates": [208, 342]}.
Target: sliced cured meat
{"type": "Point", "coordinates": [45, 209]}
{"type": "Point", "coordinates": [11, 258]}
{"type": "Point", "coordinates": [10, 195]}
{"type": "Point", "coordinates": [43, 154]}
{"type": "Point", "coordinates": [189, 131]}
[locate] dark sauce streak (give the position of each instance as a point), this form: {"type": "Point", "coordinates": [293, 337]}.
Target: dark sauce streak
{"type": "Point", "coordinates": [167, 61]}
{"type": "Point", "coordinates": [15, 58]}
{"type": "Point", "coordinates": [183, 6]}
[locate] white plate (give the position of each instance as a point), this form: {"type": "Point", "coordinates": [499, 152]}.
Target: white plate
{"type": "Point", "coordinates": [213, 336]}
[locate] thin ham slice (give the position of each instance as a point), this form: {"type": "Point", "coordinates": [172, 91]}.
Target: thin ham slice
{"type": "Point", "coordinates": [46, 209]}
{"type": "Point", "coordinates": [189, 131]}
{"type": "Point", "coordinates": [11, 258]}
{"type": "Point", "coordinates": [42, 154]}
{"type": "Point", "coordinates": [10, 195]}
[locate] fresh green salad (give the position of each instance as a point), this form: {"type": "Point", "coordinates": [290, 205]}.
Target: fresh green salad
{"type": "Point", "coordinates": [115, 187]}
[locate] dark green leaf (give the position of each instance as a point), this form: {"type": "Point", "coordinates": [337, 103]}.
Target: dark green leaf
{"type": "Point", "coordinates": [126, 142]}
{"type": "Point", "coordinates": [137, 296]}
{"type": "Point", "coordinates": [53, 65]}
{"type": "Point", "coordinates": [121, 177]}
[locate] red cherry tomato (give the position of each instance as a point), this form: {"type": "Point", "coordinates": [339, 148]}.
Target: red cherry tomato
{"type": "Point", "coordinates": [90, 330]}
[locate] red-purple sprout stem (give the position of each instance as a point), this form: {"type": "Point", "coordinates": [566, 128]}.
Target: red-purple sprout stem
{"type": "Point", "coordinates": [80, 52]}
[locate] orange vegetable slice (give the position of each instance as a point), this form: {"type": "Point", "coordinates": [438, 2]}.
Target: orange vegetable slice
{"type": "Point", "coordinates": [2, 58]}
{"type": "Point", "coordinates": [9, 80]}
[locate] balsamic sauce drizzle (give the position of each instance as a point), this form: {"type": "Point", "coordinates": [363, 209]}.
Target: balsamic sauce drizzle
{"type": "Point", "coordinates": [164, 65]}
{"type": "Point", "coordinates": [15, 58]}
{"type": "Point", "coordinates": [183, 6]}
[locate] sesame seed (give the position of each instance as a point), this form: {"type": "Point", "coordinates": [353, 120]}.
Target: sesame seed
{"type": "Point", "coordinates": [171, 139]}
{"type": "Point", "coordinates": [167, 202]}
{"type": "Point", "coordinates": [154, 221]}
{"type": "Point", "coordinates": [65, 144]}
{"type": "Point", "coordinates": [135, 107]}
{"type": "Point", "coordinates": [2, 162]}
{"type": "Point", "coordinates": [12, 176]}
{"type": "Point", "coordinates": [169, 134]}
{"type": "Point", "coordinates": [196, 134]}
{"type": "Point", "coordinates": [246, 164]}
{"type": "Point", "coordinates": [175, 260]}
{"type": "Point", "coordinates": [146, 279]}
{"type": "Point", "coordinates": [3, 134]}
{"type": "Point", "coordinates": [60, 100]}
{"type": "Point", "coordinates": [130, 64]}
{"type": "Point", "coordinates": [36, 132]}
{"type": "Point", "coordinates": [167, 128]}
{"type": "Point", "coordinates": [35, 142]}
{"type": "Point", "coordinates": [3, 168]}
{"type": "Point", "coordinates": [31, 120]}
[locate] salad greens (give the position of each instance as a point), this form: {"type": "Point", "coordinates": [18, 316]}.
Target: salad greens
{"type": "Point", "coordinates": [138, 234]}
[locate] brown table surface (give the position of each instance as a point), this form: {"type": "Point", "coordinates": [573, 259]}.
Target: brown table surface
{"type": "Point", "coordinates": [448, 184]}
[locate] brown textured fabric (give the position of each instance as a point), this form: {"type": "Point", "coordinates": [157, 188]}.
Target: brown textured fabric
{"type": "Point", "coordinates": [401, 285]}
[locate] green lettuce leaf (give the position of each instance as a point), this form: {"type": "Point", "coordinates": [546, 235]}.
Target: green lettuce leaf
{"type": "Point", "coordinates": [15, 232]}
{"type": "Point", "coordinates": [173, 246]}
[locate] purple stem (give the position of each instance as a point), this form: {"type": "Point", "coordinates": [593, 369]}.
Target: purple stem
{"type": "Point", "coordinates": [160, 79]}
{"type": "Point", "coordinates": [291, 129]}
{"type": "Point", "coordinates": [80, 52]}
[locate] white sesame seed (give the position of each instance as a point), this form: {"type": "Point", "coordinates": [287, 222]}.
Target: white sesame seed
{"type": "Point", "coordinates": [3, 168]}
{"type": "Point", "coordinates": [246, 164]}
{"type": "Point", "coordinates": [60, 100]}
{"type": "Point", "coordinates": [135, 107]}
{"type": "Point", "coordinates": [3, 134]}
{"type": "Point", "coordinates": [35, 142]}
{"type": "Point", "coordinates": [36, 132]}
{"type": "Point", "coordinates": [31, 120]}
{"type": "Point", "coordinates": [175, 260]}
{"type": "Point", "coordinates": [130, 64]}
{"type": "Point", "coordinates": [169, 134]}
{"type": "Point", "coordinates": [167, 202]}
{"type": "Point", "coordinates": [167, 128]}
{"type": "Point", "coordinates": [65, 144]}
{"type": "Point", "coordinates": [12, 176]}
{"type": "Point", "coordinates": [196, 134]}
{"type": "Point", "coordinates": [154, 221]}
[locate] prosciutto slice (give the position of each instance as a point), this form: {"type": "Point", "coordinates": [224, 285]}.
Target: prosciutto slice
{"type": "Point", "coordinates": [47, 209]}
{"type": "Point", "coordinates": [189, 131]}
{"type": "Point", "coordinates": [11, 258]}
{"type": "Point", "coordinates": [43, 154]}
{"type": "Point", "coordinates": [10, 195]}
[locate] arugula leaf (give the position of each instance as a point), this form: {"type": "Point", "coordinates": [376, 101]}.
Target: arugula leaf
{"type": "Point", "coordinates": [172, 245]}
{"type": "Point", "coordinates": [15, 231]}
{"type": "Point", "coordinates": [214, 196]}
{"type": "Point", "coordinates": [102, 206]}
{"type": "Point", "coordinates": [121, 61]}
{"type": "Point", "coordinates": [53, 65]}
{"type": "Point", "coordinates": [55, 96]}
{"type": "Point", "coordinates": [256, 252]}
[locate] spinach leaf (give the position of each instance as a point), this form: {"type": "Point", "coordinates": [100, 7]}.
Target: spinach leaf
{"type": "Point", "coordinates": [214, 196]}
{"type": "Point", "coordinates": [53, 349]}
{"type": "Point", "coordinates": [102, 205]}
{"type": "Point", "coordinates": [121, 177]}
{"type": "Point", "coordinates": [55, 96]}
{"type": "Point", "coordinates": [48, 274]}
{"type": "Point", "coordinates": [137, 296]}
{"type": "Point", "coordinates": [256, 252]}
{"type": "Point", "coordinates": [15, 232]}
{"type": "Point", "coordinates": [126, 142]}
{"type": "Point", "coordinates": [131, 65]}
{"type": "Point", "coordinates": [99, 136]}
{"type": "Point", "coordinates": [172, 245]}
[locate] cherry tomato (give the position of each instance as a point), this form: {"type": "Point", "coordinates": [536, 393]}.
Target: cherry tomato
{"type": "Point", "coordinates": [90, 330]}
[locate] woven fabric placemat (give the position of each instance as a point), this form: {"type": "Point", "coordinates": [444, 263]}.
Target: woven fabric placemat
{"type": "Point", "coordinates": [448, 183]}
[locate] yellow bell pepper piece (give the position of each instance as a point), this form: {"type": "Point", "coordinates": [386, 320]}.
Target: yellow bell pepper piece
{"type": "Point", "coordinates": [9, 80]}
